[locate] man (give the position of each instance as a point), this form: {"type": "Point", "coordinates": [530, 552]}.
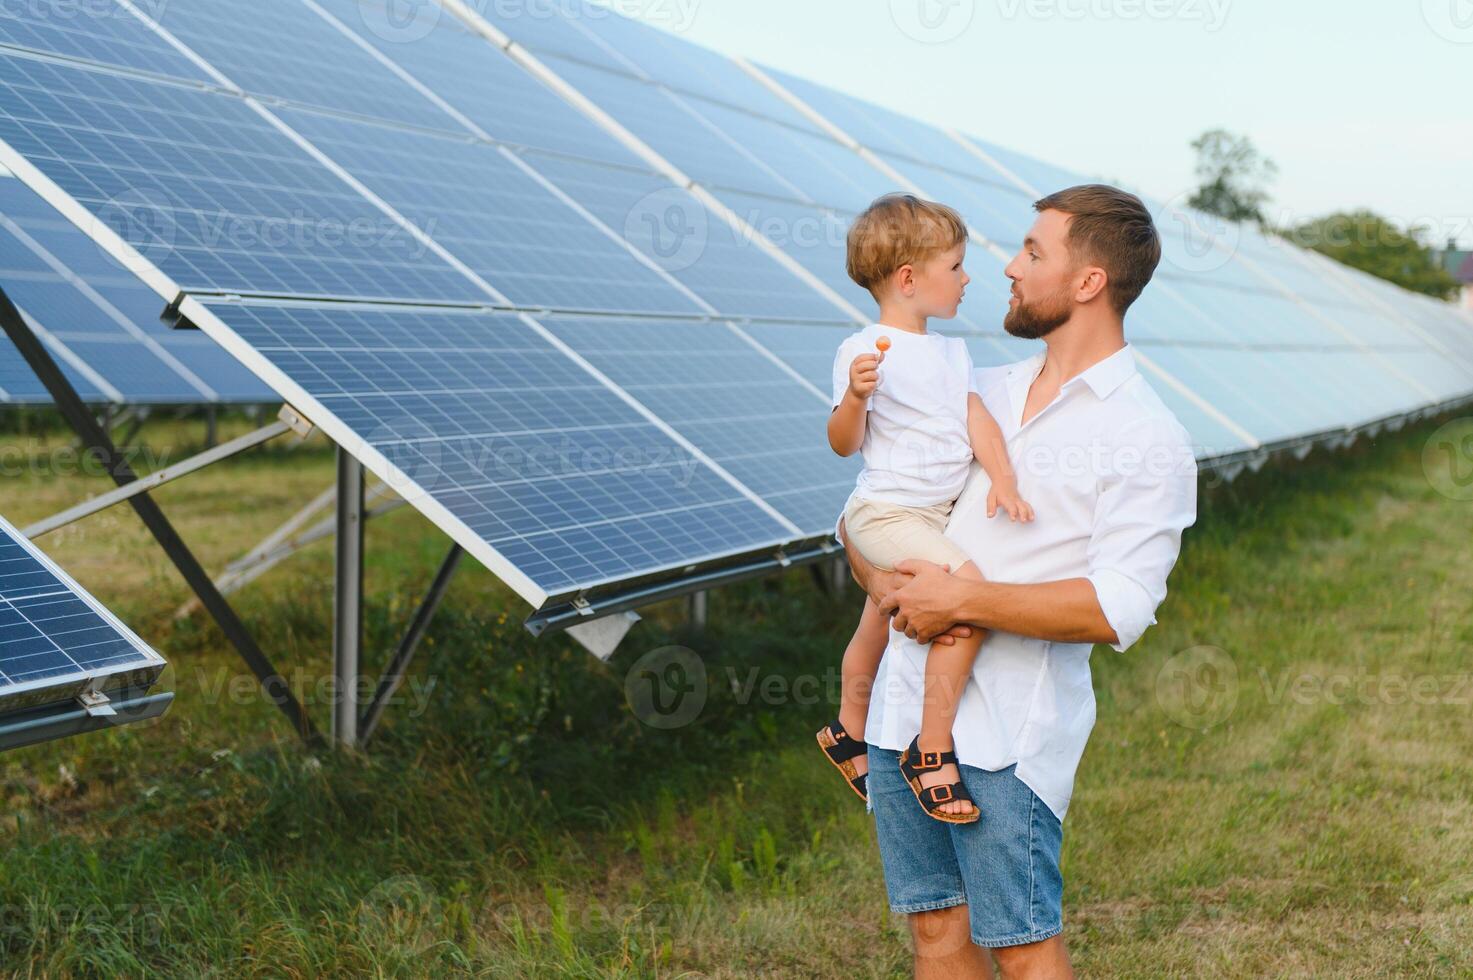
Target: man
{"type": "Point", "coordinates": [1112, 478]}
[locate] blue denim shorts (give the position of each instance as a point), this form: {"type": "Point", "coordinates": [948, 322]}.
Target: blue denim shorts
{"type": "Point", "coordinates": [1004, 867]}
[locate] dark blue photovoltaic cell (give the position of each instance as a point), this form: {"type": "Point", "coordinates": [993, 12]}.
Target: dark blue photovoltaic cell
{"type": "Point", "coordinates": [88, 329]}
{"type": "Point", "coordinates": [561, 27]}
{"type": "Point", "coordinates": [699, 249]}
{"type": "Point", "coordinates": [563, 479]}
{"type": "Point", "coordinates": [47, 630]}
{"type": "Point", "coordinates": [498, 220]}
{"type": "Point", "coordinates": [19, 384]}
{"type": "Point", "coordinates": [210, 192]}
{"type": "Point", "coordinates": [478, 80]}
{"type": "Point", "coordinates": [733, 403]}
{"type": "Point", "coordinates": [675, 131]}
{"type": "Point", "coordinates": [285, 49]}
{"type": "Point", "coordinates": [821, 169]}
{"type": "Point", "coordinates": [94, 30]}
{"type": "Point", "coordinates": [811, 235]}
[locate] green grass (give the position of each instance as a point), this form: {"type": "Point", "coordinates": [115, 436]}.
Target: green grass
{"type": "Point", "coordinates": [1293, 816]}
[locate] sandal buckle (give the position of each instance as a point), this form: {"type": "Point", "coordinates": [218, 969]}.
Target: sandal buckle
{"type": "Point", "coordinates": [937, 791]}
{"type": "Point", "coordinates": [930, 760]}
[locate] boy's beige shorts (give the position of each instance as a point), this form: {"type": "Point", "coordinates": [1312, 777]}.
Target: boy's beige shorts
{"type": "Point", "coordinates": [887, 533]}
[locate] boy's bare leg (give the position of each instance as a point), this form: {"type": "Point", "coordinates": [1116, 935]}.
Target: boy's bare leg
{"type": "Point", "coordinates": [947, 670]}
{"type": "Point", "coordinates": [857, 673]}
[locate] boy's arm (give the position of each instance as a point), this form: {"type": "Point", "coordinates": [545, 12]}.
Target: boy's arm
{"type": "Point", "coordinates": [846, 425]}
{"type": "Point", "coordinates": [987, 442]}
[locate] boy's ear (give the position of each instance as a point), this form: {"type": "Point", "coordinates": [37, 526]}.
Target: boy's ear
{"type": "Point", "coordinates": [905, 279]}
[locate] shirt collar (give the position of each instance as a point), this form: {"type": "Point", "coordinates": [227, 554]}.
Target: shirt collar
{"type": "Point", "coordinates": [1103, 377]}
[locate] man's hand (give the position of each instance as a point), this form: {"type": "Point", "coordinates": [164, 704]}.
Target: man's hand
{"type": "Point", "coordinates": [925, 607]}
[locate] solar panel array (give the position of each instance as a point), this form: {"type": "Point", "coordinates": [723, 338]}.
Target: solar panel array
{"type": "Point", "coordinates": [577, 297]}
{"type": "Point", "coordinates": [55, 639]}
{"type": "Point", "coordinates": [99, 321]}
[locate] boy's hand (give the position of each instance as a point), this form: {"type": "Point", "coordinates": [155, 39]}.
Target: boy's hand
{"type": "Point", "coordinates": [1004, 494]}
{"type": "Point", "coordinates": [864, 375]}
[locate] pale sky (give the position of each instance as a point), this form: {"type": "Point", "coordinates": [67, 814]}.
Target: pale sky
{"type": "Point", "coordinates": [1361, 104]}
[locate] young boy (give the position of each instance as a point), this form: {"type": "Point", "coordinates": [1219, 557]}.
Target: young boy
{"type": "Point", "coordinates": [919, 424]}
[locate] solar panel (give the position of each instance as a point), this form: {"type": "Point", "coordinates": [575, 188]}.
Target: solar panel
{"type": "Point", "coordinates": [493, 216]}
{"type": "Point", "coordinates": [741, 404]}
{"type": "Point", "coordinates": [538, 468]}
{"type": "Point", "coordinates": [56, 641]}
{"type": "Point", "coordinates": [100, 322]}
{"type": "Point", "coordinates": [208, 191]}
{"type": "Point", "coordinates": [97, 31]}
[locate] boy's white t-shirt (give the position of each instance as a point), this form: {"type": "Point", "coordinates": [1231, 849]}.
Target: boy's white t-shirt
{"type": "Point", "coordinates": [916, 447]}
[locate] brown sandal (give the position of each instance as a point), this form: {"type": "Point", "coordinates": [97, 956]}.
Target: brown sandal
{"type": "Point", "coordinates": [840, 748]}
{"type": "Point", "coordinates": [932, 798]}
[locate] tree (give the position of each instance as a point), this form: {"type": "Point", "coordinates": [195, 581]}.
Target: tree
{"type": "Point", "coordinates": [1234, 176]}
{"type": "Point", "coordinates": [1371, 243]}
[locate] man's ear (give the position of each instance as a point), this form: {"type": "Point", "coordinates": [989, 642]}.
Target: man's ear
{"type": "Point", "coordinates": [1091, 283]}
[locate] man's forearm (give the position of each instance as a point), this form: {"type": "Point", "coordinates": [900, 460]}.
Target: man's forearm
{"type": "Point", "coordinates": [1066, 611]}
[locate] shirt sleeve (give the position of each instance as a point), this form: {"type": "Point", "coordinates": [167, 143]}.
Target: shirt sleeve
{"type": "Point", "coordinates": [1148, 498]}
{"type": "Point", "coordinates": [965, 355]}
{"type": "Point", "coordinates": [848, 351]}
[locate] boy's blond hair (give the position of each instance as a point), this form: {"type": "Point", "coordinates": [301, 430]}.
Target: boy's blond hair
{"type": "Point", "coordinates": [897, 230]}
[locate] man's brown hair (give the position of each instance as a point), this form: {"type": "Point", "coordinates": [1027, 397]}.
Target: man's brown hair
{"type": "Point", "coordinates": [1110, 228]}
{"type": "Point", "coordinates": [897, 230]}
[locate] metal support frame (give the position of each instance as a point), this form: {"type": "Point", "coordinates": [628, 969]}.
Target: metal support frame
{"type": "Point", "coordinates": [393, 674]}
{"type": "Point", "coordinates": [699, 609]}
{"type": "Point", "coordinates": [347, 638]}
{"type": "Point", "coordinates": [155, 479]}
{"type": "Point", "coordinates": [95, 441]}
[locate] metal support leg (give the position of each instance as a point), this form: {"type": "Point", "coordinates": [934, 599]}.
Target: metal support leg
{"type": "Point", "coordinates": [698, 609]}
{"type": "Point", "coordinates": [394, 673]}
{"type": "Point", "coordinates": [95, 440]}
{"type": "Point", "coordinates": [210, 427]}
{"type": "Point", "coordinates": [348, 600]}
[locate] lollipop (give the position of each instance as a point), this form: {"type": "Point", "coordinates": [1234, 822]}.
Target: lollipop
{"type": "Point", "coordinates": [883, 344]}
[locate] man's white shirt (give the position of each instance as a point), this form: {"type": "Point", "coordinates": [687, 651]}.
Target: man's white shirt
{"type": "Point", "coordinates": [1111, 475]}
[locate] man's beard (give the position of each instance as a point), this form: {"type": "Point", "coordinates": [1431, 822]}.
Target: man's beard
{"type": "Point", "coordinates": [1030, 321]}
